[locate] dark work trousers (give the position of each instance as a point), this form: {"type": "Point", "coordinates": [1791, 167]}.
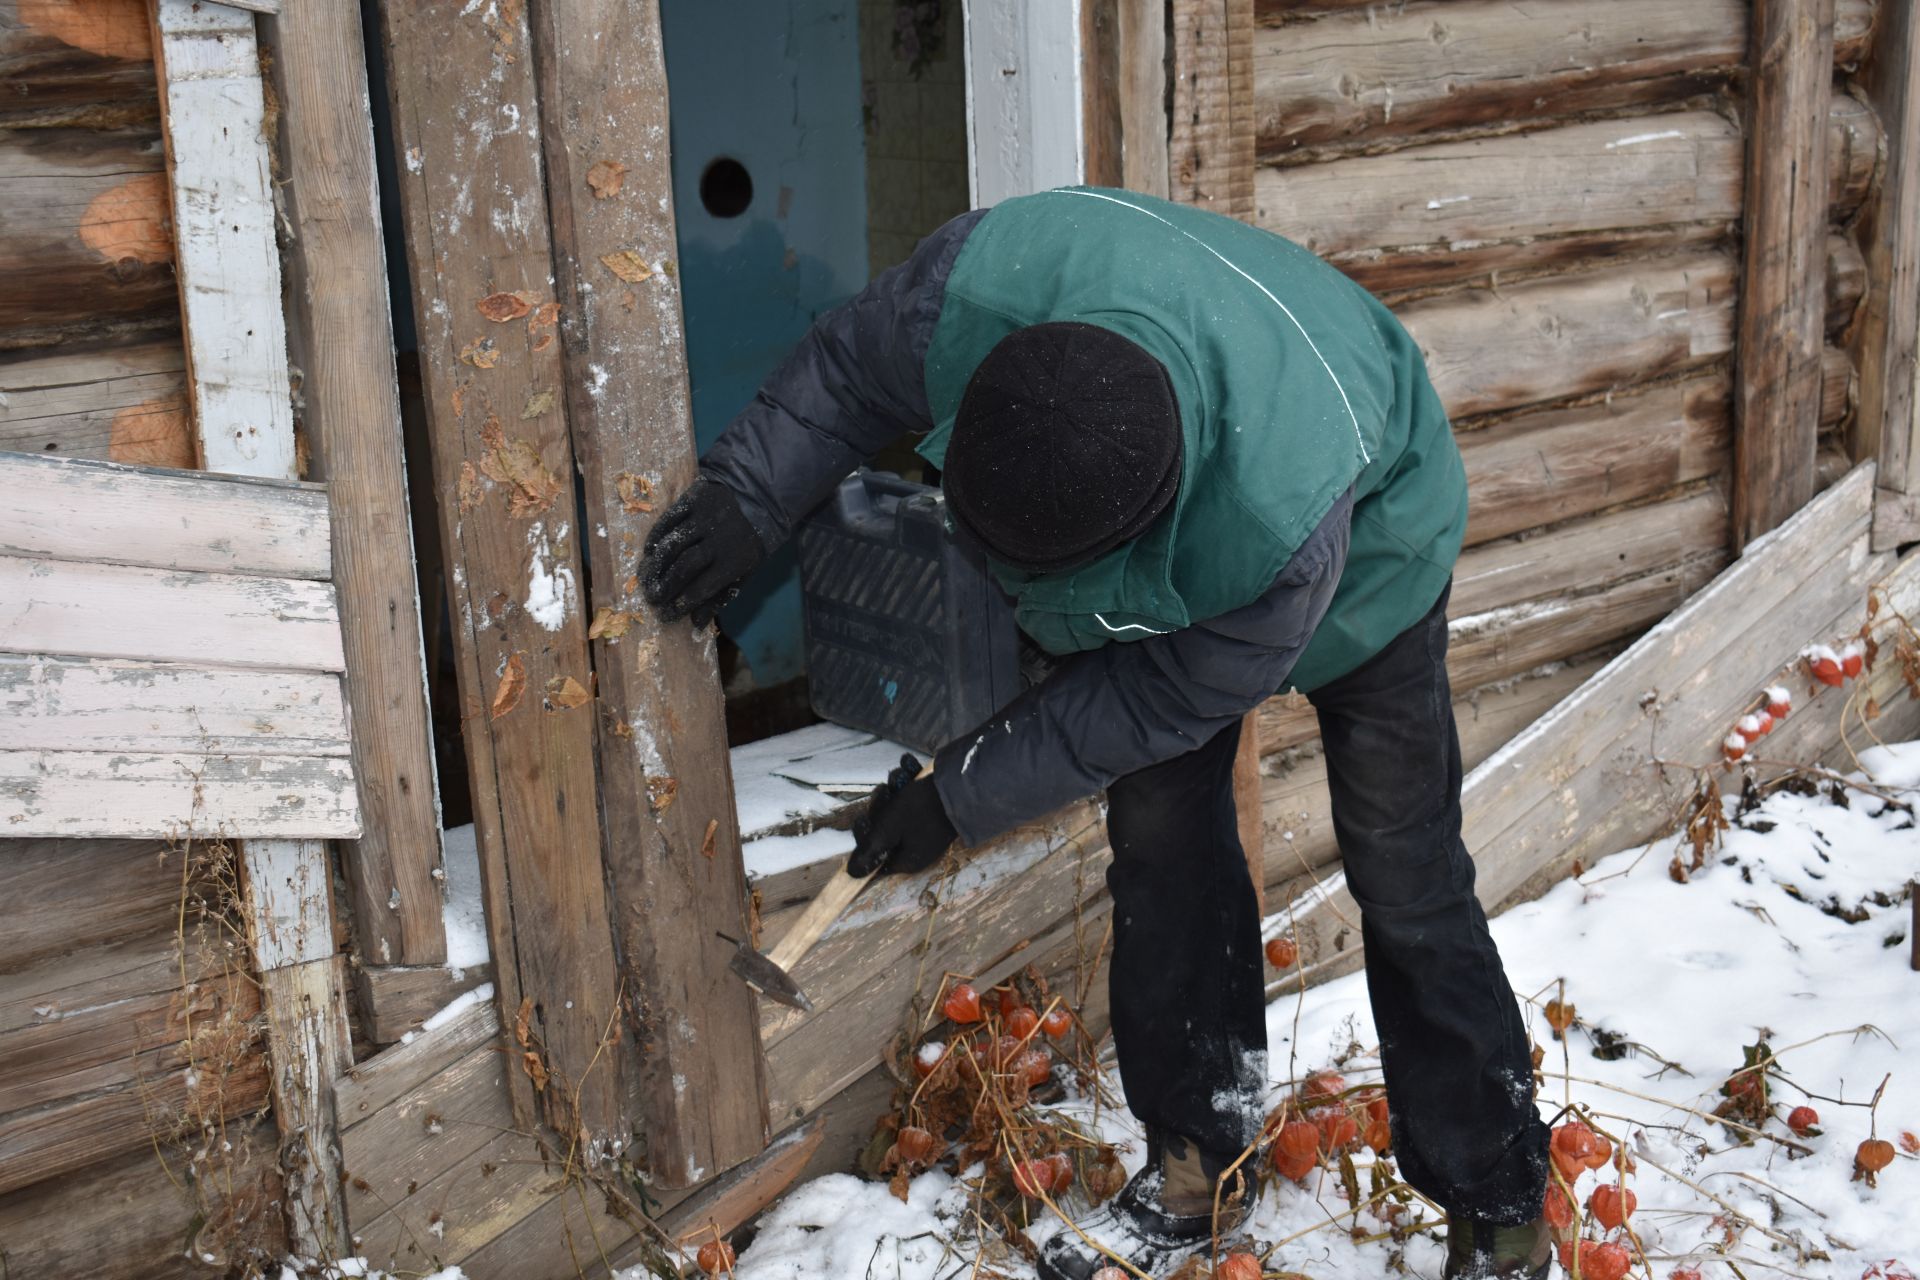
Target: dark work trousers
{"type": "Point", "coordinates": [1187, 981]}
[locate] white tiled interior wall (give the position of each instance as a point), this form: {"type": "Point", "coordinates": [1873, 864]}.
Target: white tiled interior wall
{"type": "Point", "coordinates": [916, 131]}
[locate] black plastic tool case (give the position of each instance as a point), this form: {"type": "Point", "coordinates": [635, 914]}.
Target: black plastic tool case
{"type": "Point", "coordinates": [907, 633]}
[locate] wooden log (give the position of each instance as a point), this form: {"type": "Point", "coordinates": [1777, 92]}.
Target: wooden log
{"type": "Point", "coordinates": [66, 892]}
{"type": "Point", "coordinates": [396, 1000]}
{"type": "Point", "coordinates": [1102, 141]}
{"type": "Point", "coordinates": [700, 1099]}
{"type": "Point", "coordinates": [1589, 785]}
{"type": "Point", "coordinates": [308, 1047]}
{"type": "Point", "coordinates": [126, 402]}
{"type": "Point", "coordinates": [1889, 234]}
{"type": "Point", "coordinates": [1576, 335]}
{"type": "Point", "coordinates": [1372, 74]}
{"type": "Point", "coordinates": [116, 793]}
{"type": "Point", "coordinates": [123, 1218]}
{"type": "Point", "coordinates": [81, 610]}
{"type": "Point", "coordinates": [88, 234]}
{"type": "Point", "coordinates": [87, 64]}
{"type": "Point", "coordinates": [162, 519]}
{"type": "Point", "coordinates": [213, 113]}
{"type": "Point", "coordinates": [341, 340]}
{"type": "Point", "coordinates": [106, 705]}
{"type": "Point", "coordinates": [1553, 198]}
{"type": "Point", "coordinates": [502, 459]}
{"type": "Point", "coordinates": [1783, 287]}
{"type": "Point", "coordinates": [1210, 142]}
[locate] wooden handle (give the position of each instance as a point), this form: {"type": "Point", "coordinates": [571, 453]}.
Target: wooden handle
{"type": "Point", "coordinates": [827, 906]}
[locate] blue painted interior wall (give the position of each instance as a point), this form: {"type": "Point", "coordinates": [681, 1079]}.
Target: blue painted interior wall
{"type": "Point", "coordinates": [775, 85]}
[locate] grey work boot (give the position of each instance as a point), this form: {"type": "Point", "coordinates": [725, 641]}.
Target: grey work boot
{"type": "Point", "coordinates": [1162, 1216]}
{"type": "Point", "coordinates": [1478, 1250]}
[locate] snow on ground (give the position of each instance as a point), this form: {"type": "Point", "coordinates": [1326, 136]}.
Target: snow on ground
{"type": "Point", "coordinates": [1753, 946]}
{"type": "Point", "coordinates": [466, 919]}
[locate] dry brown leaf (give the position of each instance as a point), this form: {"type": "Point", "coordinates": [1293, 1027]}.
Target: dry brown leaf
{"type": "Point", "coordinates": [517, 463]}
{"type": "Point", "coordinates": [545, 316]}
{"type": "Point", "coordinates": [513, 683]}
{"type": "Point", "coordinates": [541, 343]}
{"type": "Point", "coordinates": [459, 400]}
{"type": "Point", "coordinates": [610, 622]}
{"type": "Point", "coordinates": [536, 1069]}
{"type": "Point", "coordinates": [468, 489]}
{"type": "Point", "coordinates": [626, 264]}
{"type": "Point", "coordinates": [566, 693]}
{"type": "Point", "coordinates": [631, 585]}
{"type": "Point", "coordinates": [635, 491]}
{"type": "Point", "coordinates": [706, 841]}
{"type": "Point", "coordinates": [660, 792]}
{"type": "Point", "coordinates": [538, 402]}
{"type": "Point", "coordinates": [502, 307]}
{"type": "Point", "coordinates": [521, 1019]}
{"type": "Point", "coordinates": [480, 353]}
{"type": "Point", "coordinates": [606, 178]}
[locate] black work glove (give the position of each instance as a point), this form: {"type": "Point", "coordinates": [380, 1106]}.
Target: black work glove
{"type": "Point", "coordinates": [698, 552]}
{"type": "Point", "coordinates": [905, 827]}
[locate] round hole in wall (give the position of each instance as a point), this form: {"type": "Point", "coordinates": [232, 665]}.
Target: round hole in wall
{"type": "Point", "coordinates": [726, 188]}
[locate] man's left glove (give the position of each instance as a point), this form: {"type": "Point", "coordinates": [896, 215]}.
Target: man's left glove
{"type": "Point", "coordinates": [698, 552]}
{"type": "Point", "coordinates": [905, 828]}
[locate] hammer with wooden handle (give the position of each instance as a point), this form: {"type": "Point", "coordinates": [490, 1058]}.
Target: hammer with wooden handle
{"type": "Point", "coordinates": [772, 974]}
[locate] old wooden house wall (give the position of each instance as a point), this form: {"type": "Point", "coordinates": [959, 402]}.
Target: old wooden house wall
{"type": "Point", "coordinates": [129, 1028]}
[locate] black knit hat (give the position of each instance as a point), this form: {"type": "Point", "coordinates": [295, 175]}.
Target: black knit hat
{"type": "Point", "coordinates": [1067, 444]}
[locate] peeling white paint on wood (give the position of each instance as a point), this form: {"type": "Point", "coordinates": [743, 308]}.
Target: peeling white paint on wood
{"type": "Point", "coordinates": [110, 704]}
{"type": "Point", "coordinates": [227, 260]}
{"type": "Point", "coordinates": [67, 509]}
{"type": "Point", "coordinates": [292, 917]}
{"type": "Point", "coordinates": [70, 609]}
{"type": "Point", "coordinates": [1023, 97]}
{"type": "Point", "coordinates": [91, 793]}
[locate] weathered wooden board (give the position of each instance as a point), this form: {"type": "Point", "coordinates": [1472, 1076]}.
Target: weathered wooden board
{"type": "Point", "coordinates": [62, 509]}
{"type": "Point", "coordinates": [93, 793]}
{"type": "Point", "coordinates": [1580, 782]}
{"type": "Point", "coordinates": [86, 65]}
{"type": "Point", "coordinates": [127, 402]}
{"type": "Point", "coordinates": [395, 1000]}
{"type": "Point", "coordinates": [213, 111]}
{"type": "Point", "coordinates": [308, 1042]}
{"type": "Point", "coordinates": [87, 240]}
{"type": "Point", "coordinates": [1889, 235]}
{"type": "Point", "coordinates": [106, 705]}
{"type": "Point", "coordinates": [367, 1088]}
{"type": "Point", "coordinates": [1574, 335]}
{"type": "Point", "coordinates": [1383, 71]}
{"type": "Point", "coordinates": [83, 610]}
{"type": "Point", "coordinates": [290, 920]}
{"type": "Point", "coordinates": [1143, 96]}
{"type": "Point", "coordinates": [125, 1219]}
{"type": "Point", "coordinates": [699, 1097]}
{"type": "Point", "coordinates": [341, 340]}
{"type": "Point", "coordinates": [1553, 198]}
{"type": "Point", "coordinates": [1783, 280]}
{"type": "Point", "coordinates": [1210, 130]}
{"type": "Point", "coordinates": [497, 409]}
{"type": "Point", "coordinates": [63, 893]}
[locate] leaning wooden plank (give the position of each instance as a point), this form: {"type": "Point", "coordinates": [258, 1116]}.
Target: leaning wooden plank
{"type": "Point", "coordinates": [214, 111]}
{"type": "Point", "coordinates": [107, 704]}
{"type": "Point", "coordinates": [341, 340]}
{"type": "Point", "coordinates": [699, 1098]}
{"type": "Point", "coordinates": [86, 242]}
{"type": "Point", "coordinates": [113, 611]}
{"type": "Point", "coordinates": [76, 65]}
{"type": "Point", "coordinates": [1553, 198]}
{"type": "Point", "coordinates": [395, 1000]}
{"type": "Point", "coordinates": [503, 459]}
{"type": "Point", "coordinates": [124, 1219]}
{"type": "Point", "coordinates": [369, 1087]}
{"type": "Point", "coordinates": [1392, 71]}
{"type": "Point", "coordinates": [740, 1193]}
{"type": "Point", "coordinates": [162, 519]}
{"type": "Point", "coordinates": [88, 793]}
{"type": "Point", "coordinates": [123, 400]}
{"type": "Point", "coordinates": [1889, 233]}
{"type": "Point", "coordinates": [1782, 291]}
{"type": "Point", "coordinates": [1575, 335]}
{"type": "Point", "coordinates": [1579, 782]}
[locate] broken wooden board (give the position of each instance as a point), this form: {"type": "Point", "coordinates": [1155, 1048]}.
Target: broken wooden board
{"type": "Point", "coordinates": [1583, 781]}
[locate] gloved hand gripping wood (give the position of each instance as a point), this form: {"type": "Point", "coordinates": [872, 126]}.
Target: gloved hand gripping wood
{"type": "Point", "coordinates": [698, 553]}
{"type": "Point", "coordinates": [905, 827]}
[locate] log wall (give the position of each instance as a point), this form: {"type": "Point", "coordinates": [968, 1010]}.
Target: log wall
{"type": "Point", "coordinates": [129, 1027]}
